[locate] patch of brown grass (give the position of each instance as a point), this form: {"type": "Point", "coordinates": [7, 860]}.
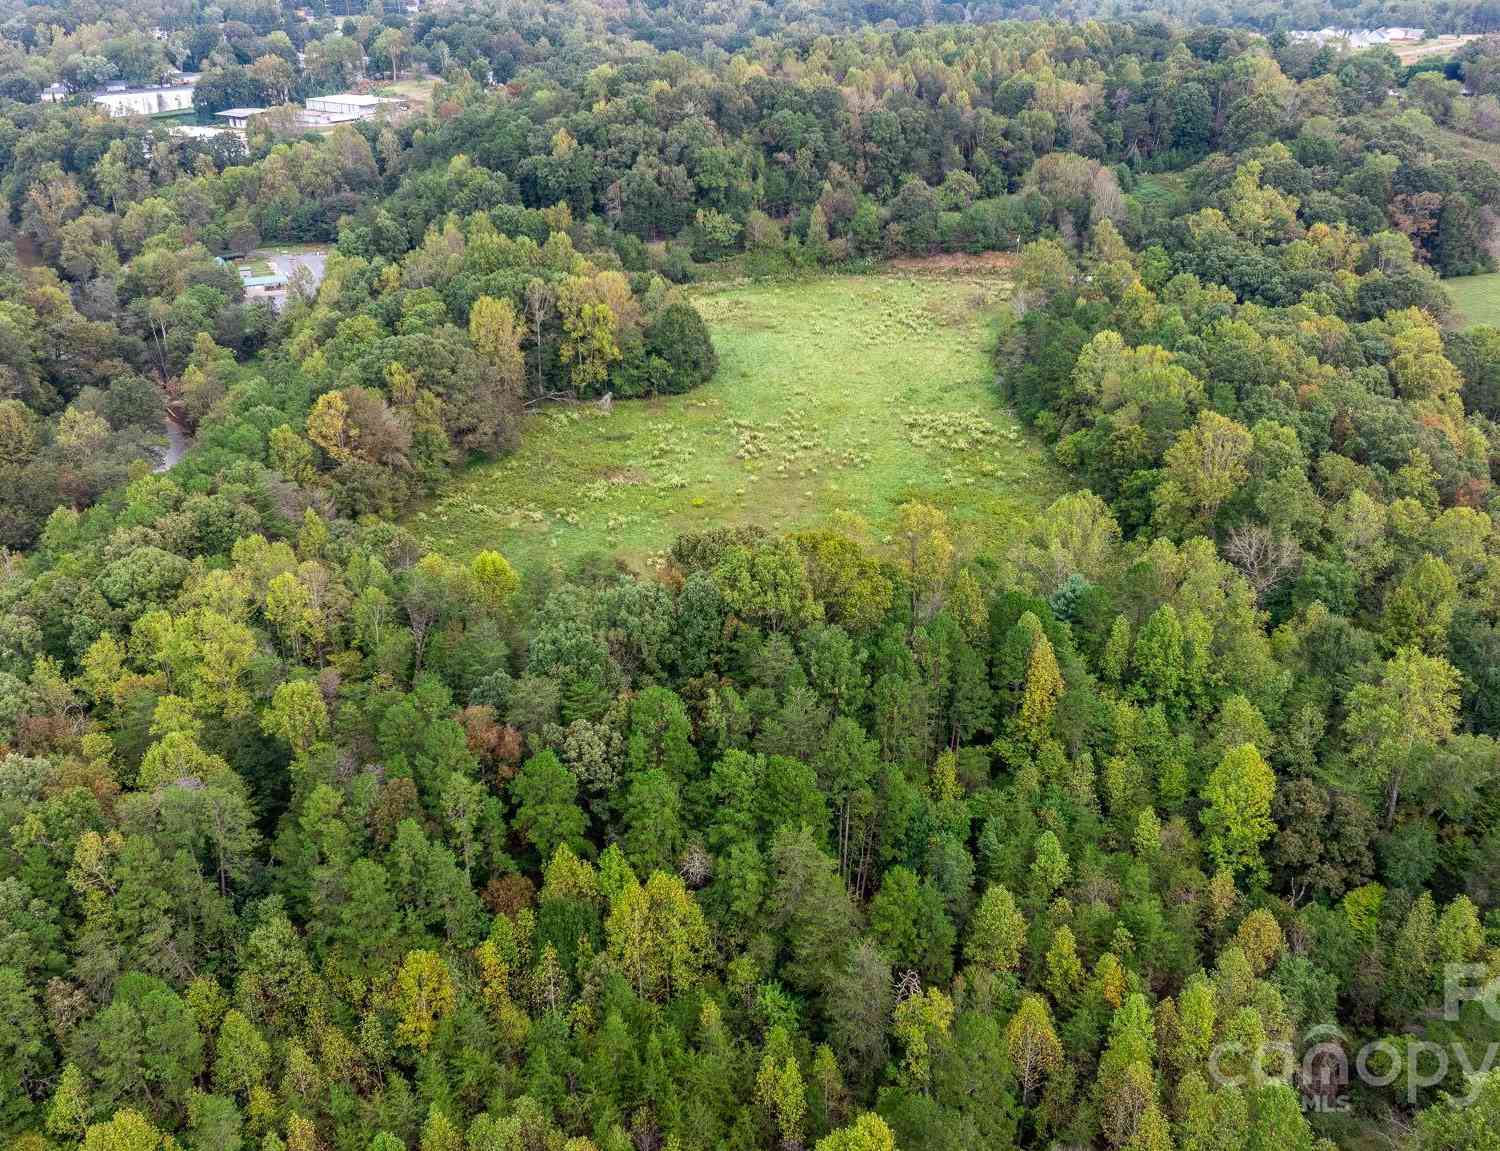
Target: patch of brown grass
{"type": "Point", "coordinates": [950, 263]}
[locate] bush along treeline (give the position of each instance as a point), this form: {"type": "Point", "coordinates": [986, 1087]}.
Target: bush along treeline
{"type": "Point", "coordinates": [421, 362]}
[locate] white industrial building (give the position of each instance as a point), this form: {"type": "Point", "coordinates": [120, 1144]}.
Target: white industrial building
{"type": "Point", "coordinates": [200, 132]}
{"type": "Point", "coordinates": [160, 100]}
{"type": "Point", "coordinates": [238, 118]}
{"type": "Point", "coordinates": [344, 108]}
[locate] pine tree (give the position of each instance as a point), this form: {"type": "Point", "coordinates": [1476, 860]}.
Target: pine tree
{"type": "Point", "coordinates": [997, 931]}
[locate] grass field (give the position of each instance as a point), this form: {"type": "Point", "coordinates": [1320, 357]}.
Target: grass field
{"type": "Point", "coordinates": [1163, 188]}
{"type": "Point", "coordinates": [1446, 142]}
{"type": "Point", "coordinates": [1409, 54]}
{"type": "Point", "coordinates": [415, 90]}
{"type": "Point", "coordinates": [838, 394]}
{"type": "Point", "coordinates": [1476, 299]}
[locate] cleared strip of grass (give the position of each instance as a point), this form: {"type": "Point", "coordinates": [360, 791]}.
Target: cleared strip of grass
{"type": "Point", "coordinates": [840, 394]}
{"type": "Point", "coordinates": [1446, 141]}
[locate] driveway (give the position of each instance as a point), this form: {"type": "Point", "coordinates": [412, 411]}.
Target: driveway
{"type": "Point", "coordinates": [288, 260]}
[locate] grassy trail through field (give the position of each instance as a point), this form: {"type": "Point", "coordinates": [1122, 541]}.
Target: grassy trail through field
{"type": "Point", "coordinates": [840, 394]}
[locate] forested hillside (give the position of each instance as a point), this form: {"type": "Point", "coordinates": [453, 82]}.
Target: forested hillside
{"type": "Point", "coordinates": [1112, 830]}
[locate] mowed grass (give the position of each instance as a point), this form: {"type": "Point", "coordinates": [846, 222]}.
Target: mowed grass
{"type": "Point", "coordinates": [415, 90]}
{"type": "Point", "coordinates": [842, 394]}
{"type": "Point", "coordinates": [1476, 299]}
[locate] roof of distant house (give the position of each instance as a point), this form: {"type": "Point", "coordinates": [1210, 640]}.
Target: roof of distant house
{"type": "Point", "coordinates": [239, 113]}
{"type": "Point", "coordinates": [148, 90]}
{"type": "Point", "coordinates": [120, 88]}
{"type": "Point", "coordinates": [355, 98]}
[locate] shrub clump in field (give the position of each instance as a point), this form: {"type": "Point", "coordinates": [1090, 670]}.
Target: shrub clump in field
{"type": "Point", "coordinates": [679, 355]}
{"type": "Point", "coordinates": [950, 431]}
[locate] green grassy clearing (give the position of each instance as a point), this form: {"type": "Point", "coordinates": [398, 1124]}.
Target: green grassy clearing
{"type": "Point", "coordinates": [1446, 140]}
{"type": "Point", "coordinates": [1476, 299]}
{"type": "Point", "coordinates": [416, 90]}
{"type": "Point", "coordinates": [839, 394]}
{"type": "Point", "coordinates": [1163, 189]}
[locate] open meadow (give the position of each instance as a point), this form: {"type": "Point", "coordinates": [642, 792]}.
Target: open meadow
{"type": "Point", "coordinates": [839, 394]}
{"type": "Point", "coordinates": [415, 90]}
{"type": "Point", "coordinates": [1476, 299]}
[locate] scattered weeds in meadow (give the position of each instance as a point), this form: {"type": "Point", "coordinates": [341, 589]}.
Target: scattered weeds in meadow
{"type": "Point", "coordinates": [950, 431]}
{"type": "Point", "coordinates": [841, 394]}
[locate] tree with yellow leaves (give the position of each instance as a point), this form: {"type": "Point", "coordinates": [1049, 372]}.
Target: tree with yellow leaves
{"type": "Point", "coordinates": [867, 1133]}
{"type": "Point", "coordinates": [927, 553]}
{"type": "Point", "coordinates": [1205, 465]}
{"type": "Point", "coordinates": [779, 1089]}
{"type": "Point", "coordinates": [997, 931]}
{"type": "Point", "coordinates": [1237, 815]}
{"type": "Point", "coordinates": [328, 426]}
{"type": "Point", "coordinates": [920, 1022]}
{"type": "Point", "coordinates": [496, 333]}
{"type": "Point", "coordinates": [1043, 688]}
{"type": "Point", "coordinates": [422, 997]}
{"type": "Point", "coordinates": [1032, 1043]}
{"type": "Point", "coordinates": [129, 1130]}
{"type": "Point", "coordinates": [658, 936]}
{"type": "Point", "coordinates": [498, 581]}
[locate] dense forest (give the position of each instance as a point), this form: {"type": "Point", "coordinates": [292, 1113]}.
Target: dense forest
{"type": "Point", "coordinates": [855, 837]}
